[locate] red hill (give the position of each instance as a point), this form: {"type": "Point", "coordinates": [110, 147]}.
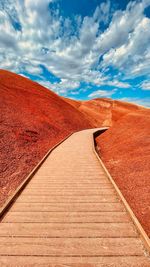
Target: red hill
{"type": "Point", "coordinates": [125, 150]}
{"type": "Point", "coordinates": [32, 120]}
{"type": "Point", "coordinates": [103, 111]}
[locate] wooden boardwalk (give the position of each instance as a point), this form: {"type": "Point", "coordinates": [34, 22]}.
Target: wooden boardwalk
{"type": "Point", "coordinates": [70, 215]}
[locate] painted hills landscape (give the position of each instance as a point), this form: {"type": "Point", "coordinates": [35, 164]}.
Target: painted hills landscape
{"type": "Point", "coordinates": [34, 119]}
{"type": "Point", "coordinates": [74, 133]}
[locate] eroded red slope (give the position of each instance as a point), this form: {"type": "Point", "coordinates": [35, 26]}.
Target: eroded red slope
{"type": "Point", "coordinates": [32, 120]}
{"type": "Point", "coordinates": [103, 111]}
{"type": "Point", "coordinates": [125, 150]}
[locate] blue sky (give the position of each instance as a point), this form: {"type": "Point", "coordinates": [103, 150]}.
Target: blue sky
{"type": "Point", "coordinates": [80, 49]}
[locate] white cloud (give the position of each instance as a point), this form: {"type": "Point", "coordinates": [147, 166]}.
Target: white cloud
{"type": "Point", "coordinates": [119, 84]}
{"type": "Point", "coordinates": [31, 69]}
{"type": "Point", "coordinates": [71, 50]}
{"type": "Point", "coordinates": [123, 23]}
{"type": "Point", "coordinates": [61, 87]}
{"type": "Point", "coordinates": [102, 93]}
{"type": "Point", "coordinates": [102, 12]}
{"type": "Point", "coordinates": [133, 54]}
{"type": "Point", "coordinates": [145, 85]}
{"type": "Point", "coordinates": [8, 36]}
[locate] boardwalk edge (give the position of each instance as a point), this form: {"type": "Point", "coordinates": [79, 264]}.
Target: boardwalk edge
{"type": "Point", "coordinates": [19, 189]}
{"type": "Point", "coordinates": [136, 222]}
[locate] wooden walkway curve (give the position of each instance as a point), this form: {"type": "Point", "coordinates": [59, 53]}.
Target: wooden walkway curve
{"type": "Point", "coordinates": [70, 215]}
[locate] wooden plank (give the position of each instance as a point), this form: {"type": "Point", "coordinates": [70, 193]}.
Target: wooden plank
{"type": "Point", "coordinates": [85, 175]}
{"type": "Point", "coordinates": [69, 186]}
{"type": "Point", "coordinates": [70, 190]}
{"type": "Point", "coordinates": [48, 198]}
{"type": "Point", "coordinates": [62, 185]}
{"type": "Point", "coordinates": [71, 246]}
{"type": "Point", "coordinates": [68, 230]}
{"type": "Point", "coordinates": [64, 181]}
{"type": "Point", "coordinates": [68, 193]}
{"type": "Point", "coordinates": [72, 186]}
{"type": "Point", "coordinates": [67, 207]}
{"type": "Point", "coordinates": [72, 182]}
{"type": "Point", "coordinates": [66, 217]}
{"type": "Point", "coordinates": [85, 170]}
{"type": "Point", "coordinates": [113, 261]}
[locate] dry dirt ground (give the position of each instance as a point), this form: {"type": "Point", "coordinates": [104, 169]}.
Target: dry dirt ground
{"type": "Point", "coordinates": [125, 150]}
{"type": "Point", "coordinates": [32, 120]}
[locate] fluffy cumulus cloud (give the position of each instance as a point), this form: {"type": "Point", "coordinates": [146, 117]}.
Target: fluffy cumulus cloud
{"type": "Point", "coordinates": [132, 55]}
{"type": "Point", "coordinates": [62, 87]}
{"type": "Point", "coordinates": [108, 48]}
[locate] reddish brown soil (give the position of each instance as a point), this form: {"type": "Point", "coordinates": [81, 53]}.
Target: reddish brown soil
{"type": "Point", "coordinates": [32, 120]}
{"type": "Point", "coordinates": [103, 111]}
{"type": "Point", "coordinates": [97, 111]}
{"type": "Point", "coordinates": [125, 150]}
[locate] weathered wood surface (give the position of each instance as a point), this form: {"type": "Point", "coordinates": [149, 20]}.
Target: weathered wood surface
{"type": "Point", "coordinates": [69, 214]}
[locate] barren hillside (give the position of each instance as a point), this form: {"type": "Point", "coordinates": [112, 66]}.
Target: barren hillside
{"type": "Point", "coordinates": [125, 150]}
{"type": "Point", "coordinates": [32, 120]}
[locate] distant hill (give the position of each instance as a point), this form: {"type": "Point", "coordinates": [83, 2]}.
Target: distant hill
{"type": "Point", "coordinates": [104, 111]}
